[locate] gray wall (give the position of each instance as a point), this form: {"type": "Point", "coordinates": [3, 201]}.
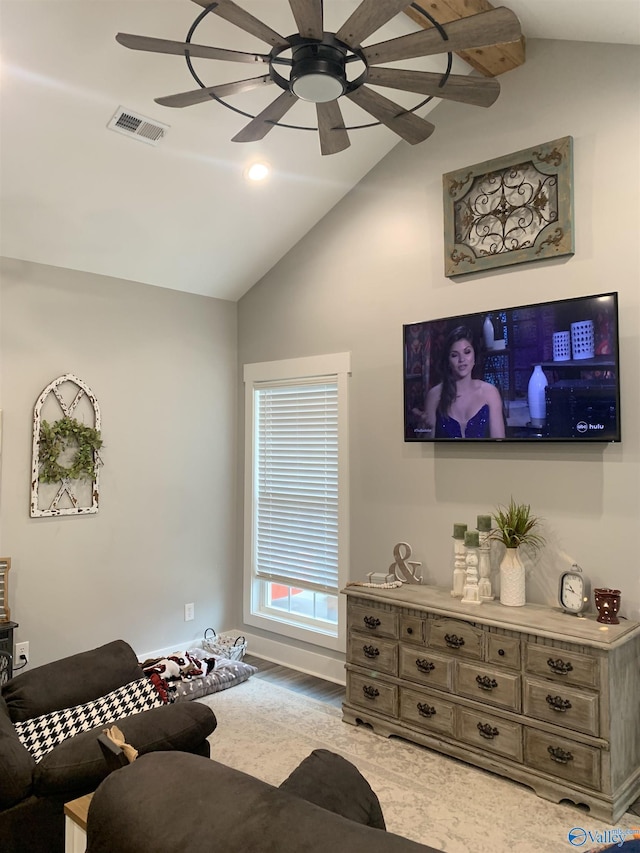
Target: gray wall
{"type": "Point", "coordinates": [162, 365]}
{"type": "Point", "coordinates": [376, 262]}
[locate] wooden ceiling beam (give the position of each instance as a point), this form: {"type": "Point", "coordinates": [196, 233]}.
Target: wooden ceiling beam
{"type": "Point", "coordinates": [490, 61]}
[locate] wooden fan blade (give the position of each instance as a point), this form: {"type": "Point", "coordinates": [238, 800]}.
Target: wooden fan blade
{"type": "Point", "coordinates": [496, 26]}
{"type": "Point", "coordinates": [264, 121]}
{"type": "Point", "coordinates": [479, 91]}
{"type": "Point", "coordinates": [179, 48]}
{"type": "Point", "coordinates": [199, 96]}
{"type": "Point", "coordinates": [407, 125]}
{"type": "Point", "coordinates": [235, 15]}
{"type": "Point", "coordinates": [367, 18]}
{"type": "Point", "coordinates": [333, 135]}
{"type": "Point", "coordinates": [308, 15]}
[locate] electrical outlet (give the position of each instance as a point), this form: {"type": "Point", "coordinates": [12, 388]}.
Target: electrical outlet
{"type": "Point", "coordinates": [189, 612]}
{"type": "Point", "coordinates": [22, 649]}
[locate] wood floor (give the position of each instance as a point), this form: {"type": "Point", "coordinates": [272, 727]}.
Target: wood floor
{"type": "Point", "coordinates": [299, 682]}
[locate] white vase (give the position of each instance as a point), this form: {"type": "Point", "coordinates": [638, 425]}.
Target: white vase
{"type": "Point", "coordinates": [512, 579]}
{"type": "Point", "coordinates": [535, 395]}
{"type": "Point", "coordinates": [488, 332]}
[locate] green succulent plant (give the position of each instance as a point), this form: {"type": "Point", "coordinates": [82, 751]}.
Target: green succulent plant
{"type": "Point", "coordinates": [515, 526]}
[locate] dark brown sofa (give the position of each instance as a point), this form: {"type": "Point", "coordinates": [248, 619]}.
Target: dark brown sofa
{"type": "Point", "coordinates": [32, 795]}
{"type": "Point", "coordinates": [164, 803]}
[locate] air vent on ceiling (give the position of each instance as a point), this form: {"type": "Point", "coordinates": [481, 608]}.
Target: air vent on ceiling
{"type": "Point", "coordinates": [133, 124]}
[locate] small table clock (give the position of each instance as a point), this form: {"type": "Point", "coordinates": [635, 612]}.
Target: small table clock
{"type": "Point", "coordinates": [574, 591]}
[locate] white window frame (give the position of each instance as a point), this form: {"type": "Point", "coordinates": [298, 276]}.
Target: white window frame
{"type": "Point", "coordinates": [334, 366]}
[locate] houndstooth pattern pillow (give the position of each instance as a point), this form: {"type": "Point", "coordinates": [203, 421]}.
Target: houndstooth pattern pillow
{"type": "Point", "coordinates": [41, 734]}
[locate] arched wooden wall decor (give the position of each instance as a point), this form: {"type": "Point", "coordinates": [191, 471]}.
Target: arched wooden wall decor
{"type": "Point", "coordinates": [68, 496]}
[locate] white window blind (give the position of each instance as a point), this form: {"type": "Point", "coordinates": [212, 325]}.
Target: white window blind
{"type": "Point", "coordinates": [296, 483]}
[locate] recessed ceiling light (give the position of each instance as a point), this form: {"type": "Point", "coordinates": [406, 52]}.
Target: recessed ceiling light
{"type": "Point", "coordinates": [257, 172]}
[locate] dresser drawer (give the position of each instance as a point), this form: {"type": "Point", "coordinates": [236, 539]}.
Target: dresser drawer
{"type": "Point", "coordinates": [426, 667]}
{"type": "Point", "coordinates": [462, 639]}
{"type": "Point", "coordinates": [558, 756]}
{"type": "Point", "coordinates": [488, 685]}
{"type": "Point", "coordinates": [412, 629]}
{"type": "Point", "coordinates": [374, 653]}
{"type": "Point", "coordinates": [372, 694]}
{"type": "Point", "coordinates": [490, 733]}
{"type": "Point", "coordinates": [381, 623]}
{"type": "Point", "coordinates": [561, 665]}
{"type": "Point", "coordinates": [564, 706]}
{"type": "Point", "coordinates": [504, 651]}
{"type": "Point", "coordinates": [427, 710]}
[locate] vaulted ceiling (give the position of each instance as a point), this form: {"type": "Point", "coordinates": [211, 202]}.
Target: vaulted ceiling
{"type": "Point", "coordinates": [180, 214]}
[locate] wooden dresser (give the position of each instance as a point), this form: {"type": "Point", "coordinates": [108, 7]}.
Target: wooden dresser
{"type": "Point", "coordinates": [547, 699]}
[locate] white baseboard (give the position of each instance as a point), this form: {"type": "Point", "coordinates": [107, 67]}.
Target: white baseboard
{"type": "Point", "coordinates": [170, 650]}
{"type": "Point", "coordinates": [311, 663]}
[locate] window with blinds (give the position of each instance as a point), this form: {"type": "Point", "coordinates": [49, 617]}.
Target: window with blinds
{"type": "Point", "coordinates": [295, 498]}
{"type": "Point", "coordinates": [296, 485]}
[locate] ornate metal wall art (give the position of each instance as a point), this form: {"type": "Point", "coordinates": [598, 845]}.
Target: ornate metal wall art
{"type": "Point", "coordinates": [507, 211]}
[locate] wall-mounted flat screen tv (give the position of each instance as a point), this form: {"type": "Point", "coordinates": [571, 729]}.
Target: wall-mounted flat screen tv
{"type": "Point", "coordinates": [543, 372]}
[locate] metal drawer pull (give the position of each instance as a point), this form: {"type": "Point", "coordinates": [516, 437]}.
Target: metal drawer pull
{"type": "Point", "coordinates": [559, 666]}
{"type": "Point", "coordinates": [558, 703]}
{"type": "Point", "coordinates": [560, 755]}
{"type": "Point", "coordinates": [371, 622]}
{"type": "Point", "coordinates": [370, 651]}
{"type": "Point", "coordinates": [426, 710]}
{"type": "Point", "coordinates": [409, 631]}
{"type": "Point", "coordinates": [370, 692]}
{"type": "Point", "coordinates": [487, 731]}
{"type": "Point", "coordinates": [453, 641]}
{"type": "Point", "coordinates": [486, 683]}
{"type": "Point", "coordinates": [425, 665]}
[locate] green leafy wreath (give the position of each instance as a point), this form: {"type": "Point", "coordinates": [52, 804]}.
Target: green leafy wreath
{"type": "Point", "coordinates": [56, 437]}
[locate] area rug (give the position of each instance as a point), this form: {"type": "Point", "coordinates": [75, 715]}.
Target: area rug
{"type": "Point", "coordinates": [266, 730]}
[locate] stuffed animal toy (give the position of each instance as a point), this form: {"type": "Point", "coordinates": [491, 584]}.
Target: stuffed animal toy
{"type": "Point", "coordinates": [166, 672]}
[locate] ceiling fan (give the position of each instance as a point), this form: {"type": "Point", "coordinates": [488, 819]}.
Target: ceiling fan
{"type": "Point", "coordinates": [322, 67]}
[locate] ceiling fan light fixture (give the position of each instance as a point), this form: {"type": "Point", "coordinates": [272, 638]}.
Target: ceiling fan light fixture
{"type": "Point", "coordinates": [317, 87]}
{"type": "Point", "coordinates": [318, 60]}
{"type": "Point", "coordinates": [318, 73]}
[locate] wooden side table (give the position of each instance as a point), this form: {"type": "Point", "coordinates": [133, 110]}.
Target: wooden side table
{"type": "Point", "coordinates": [75, 824]}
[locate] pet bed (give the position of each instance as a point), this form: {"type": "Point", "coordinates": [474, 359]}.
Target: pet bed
{"type": "Point", "coordinates": [195, 673]}
{"type": "Point", "coordinates": [226, 673]}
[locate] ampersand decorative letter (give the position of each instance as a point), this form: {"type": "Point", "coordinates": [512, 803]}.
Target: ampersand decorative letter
{"type": "Point", "coordinates": [404, 568]}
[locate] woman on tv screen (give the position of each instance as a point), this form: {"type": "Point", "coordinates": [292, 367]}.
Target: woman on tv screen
{"type": "Point", "coordinates": [461, 406]}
